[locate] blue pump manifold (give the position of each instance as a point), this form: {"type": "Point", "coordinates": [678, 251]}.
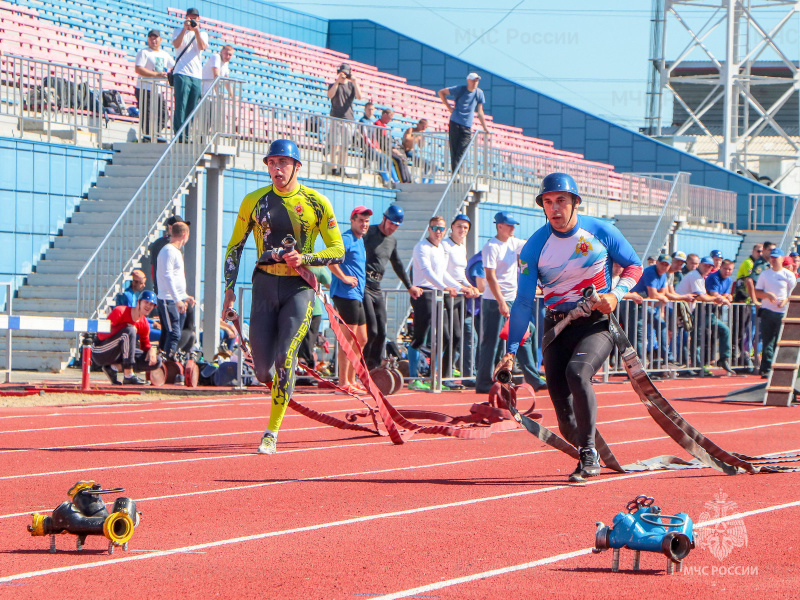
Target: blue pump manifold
{"type": "Point", "coordinates": [645, 528]}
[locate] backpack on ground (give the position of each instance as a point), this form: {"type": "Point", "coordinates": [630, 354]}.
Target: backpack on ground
{"type": "Point", "coordinates": [113, 103]}
{"type": "Point", "coordinates": [41, 99]}
{"type": "Point", "coordinates": [63, 89]}
{"type": "Point", "coordinates": [88, 99]}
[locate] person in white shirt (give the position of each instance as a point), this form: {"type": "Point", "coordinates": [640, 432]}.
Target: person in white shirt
{"type": "Point", "coordinates": [501, 263]}
{"type": "Point", "coordinates": [694, 284]}
{"type": "Point", "coordinates": [218, 66]}
{"type": "Point", "coordinates": [188, 71]}
{"type": "Point", "coordinates": [455, 248]}
{"type": "Point", "coordinates": [773, 288]}
{"type": "Point", "coordinates": [172, 297]}
{"type": "Point", "coordinates": [430, 273]}
{"type": "Point", "coordinates": [152, 62]}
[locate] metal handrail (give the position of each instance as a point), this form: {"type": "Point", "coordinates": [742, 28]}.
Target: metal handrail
{"type": "Point", "coordinates": [459, 185]}
{"type": "Point", "coordinates": [124, 243]}
{"type": "Point", "coordinates": [672, 207]}
{"type": "Point", "coordinates": [75, 102]}
{"type": "Point", "coordinates": [790, 233]}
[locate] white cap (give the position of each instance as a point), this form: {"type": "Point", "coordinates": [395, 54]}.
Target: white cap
{"type": "Point", "coordinates": [472, 76]}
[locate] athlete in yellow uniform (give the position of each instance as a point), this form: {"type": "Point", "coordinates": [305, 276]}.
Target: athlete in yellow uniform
{"type": "Point", "coordinates": [282, 302]}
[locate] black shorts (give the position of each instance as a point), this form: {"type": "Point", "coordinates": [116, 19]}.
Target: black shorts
{"type": "Point", "coordinates": [352, 311]}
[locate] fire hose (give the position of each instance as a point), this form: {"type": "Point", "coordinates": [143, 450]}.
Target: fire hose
{"type": "Point", "coordinates": [705, 452]}
{"type": "Point", "coordinates": [483, 420]}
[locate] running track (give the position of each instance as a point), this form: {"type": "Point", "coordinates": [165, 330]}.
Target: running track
{"type": "Point", "coordinates": [337, 514]}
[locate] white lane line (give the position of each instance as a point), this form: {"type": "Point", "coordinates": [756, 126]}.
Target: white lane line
{"type": "Point", "coordinates": [374, 517]}
{"type": "Point", "coordinates": [558, 558]}
{"type": "Point", "coordinates": [189, 437]}
{"type": "Point", "coordinates": [311, 449]}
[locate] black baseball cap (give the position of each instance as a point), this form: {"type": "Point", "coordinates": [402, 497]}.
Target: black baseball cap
{"type": "Point", "coordinates": [176, 219]}
{"type": "Point", "coordinates": [154, 32]}
{"type": "Point", "coordinates": [192, 12]}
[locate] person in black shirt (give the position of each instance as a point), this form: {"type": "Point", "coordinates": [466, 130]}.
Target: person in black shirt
{"type": "Point", "coordinates": [381, 246]}
{"type": "Point", "coordinates": [342, 92]}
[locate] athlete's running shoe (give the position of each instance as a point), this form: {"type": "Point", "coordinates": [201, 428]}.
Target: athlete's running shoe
{"type": "Point", "coordinates": [419, 386]}
{"type": "Point", "coordinates": [134, 380]}
{"type": "Point", "coordinates": [111, 373]}
{"type": "Point", "coordinates": [588, 466]}
{"type": "Point", "coordinates": [268, 445]}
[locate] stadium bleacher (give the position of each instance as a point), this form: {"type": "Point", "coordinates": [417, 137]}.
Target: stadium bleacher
{"type": "Point", "coordinates": [276, 70]}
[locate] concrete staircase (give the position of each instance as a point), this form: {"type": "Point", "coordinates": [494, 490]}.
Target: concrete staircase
{"type": "Point", "coordinates": [638, 229]}
{"type": "Point", "coordinates": [52, 289]}
{"type": "Point", "coordinates": [418, 201]}
{"type": "Point", "coordinates": [753, 237]}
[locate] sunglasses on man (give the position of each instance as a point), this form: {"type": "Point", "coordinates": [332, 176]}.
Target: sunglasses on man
{"type": "Point", "coordinates": [436, 228]}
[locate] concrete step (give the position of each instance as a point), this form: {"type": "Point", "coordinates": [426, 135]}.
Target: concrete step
{"type": "Point", "coordinates": [71, 254]}
{"type": "Point", "coordinates": [41, 344]}
{"type": "Point", "coordinates": [95, 219]}
{"type": "Point", "coordinates": [52, 292]}
{"type": "Point", "coordinates": [58, 267]}
{"type": "Point", "coordinates": [90, 242]}
{"type": "Point", "coordinates": [136, 149]}
{"type": "Point", "coordinates": [97, 205]}
{"type": "Point", "coordinates": [123, 182]}
{"type": "Point", "coordinates": [45, 307]}
{"type": "Point", "coordinates": [34, 360]}
{"type": "Point", "coordinates": [51, 279]}
{"type": "Point", "coordinates": [54, 335]}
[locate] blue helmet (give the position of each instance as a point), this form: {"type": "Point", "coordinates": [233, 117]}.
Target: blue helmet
{"type": "Point", "coordinates": [149, 296]}
{"type": "Point", "coordinates": [558, 182]}
{"type": "Point", "coordinates": [283, 148]}
{"type": "Point", "coordinates": [394, 214]}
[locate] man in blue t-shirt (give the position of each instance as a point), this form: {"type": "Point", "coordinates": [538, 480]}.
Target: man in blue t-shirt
{"type": "Point", "coordinates": [651, 286]}
{"type": "Point", "coordinates": [347, 291]}
{"type": "Point", "coordinates": [719, 283]}
{"type": "Point", "coordinates": [468, 100]}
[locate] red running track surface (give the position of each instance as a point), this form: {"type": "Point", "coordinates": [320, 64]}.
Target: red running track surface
{"type": "Point", "coordinates": [337, 515]}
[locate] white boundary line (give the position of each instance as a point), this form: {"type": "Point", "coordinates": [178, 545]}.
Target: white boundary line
{"type": "Point", "coordinates": [331, 524]}
{"type": "Point", "coordinates": [558, 558]}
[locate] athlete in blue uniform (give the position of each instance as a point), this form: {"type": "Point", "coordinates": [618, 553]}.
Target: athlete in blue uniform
{"type": "Point", "coordinates": [568, 254]}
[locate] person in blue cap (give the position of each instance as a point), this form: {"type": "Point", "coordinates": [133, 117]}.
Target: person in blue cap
{"type": "Point", "coordinates": [501, 266]}
{"type": "Point", "coordinates": [773, 288]}
{"type": "Point", "coordinates": [717, 257]}
{"type": "Point", "coordinates": [567, 254]}
{"type": "Point", "coordinates": [282, 305]}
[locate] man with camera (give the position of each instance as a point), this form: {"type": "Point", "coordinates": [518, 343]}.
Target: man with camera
{"type": "Point", "coordinates": [187, 75]}
{"type": "Point", "coordinates": [341, 93]}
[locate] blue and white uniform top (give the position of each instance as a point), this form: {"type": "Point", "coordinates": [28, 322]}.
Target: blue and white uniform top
{"type": "Point", "coordinates": [563, 264]}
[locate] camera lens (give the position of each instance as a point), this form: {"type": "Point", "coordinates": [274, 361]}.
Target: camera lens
{"type": "Point", "coordinates": [192, 22]}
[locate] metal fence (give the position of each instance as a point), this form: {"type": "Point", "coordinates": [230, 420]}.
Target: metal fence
{"type": "Point", "coordinates": [770, 211]}
{"type": "Point", "coordinates": [55, 100]}
{"type": "Point", "coordinates": [339, 147]}
{"type": "Point", "coordinates": [126, 241]}
{"type": "Point", "coordinates": [670, 341]}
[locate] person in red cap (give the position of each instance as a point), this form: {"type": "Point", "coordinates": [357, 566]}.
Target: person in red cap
{"type": "Point", "coordinates": [347, 291]}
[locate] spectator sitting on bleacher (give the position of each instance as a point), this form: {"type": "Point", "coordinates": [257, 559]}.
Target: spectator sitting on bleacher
{"type": "Point", "coordinates": [152, 61]}
{"type": "Point", "coordinates": [341, 93]}
{"type": "Point", "coordinates": [369, 114]}
{"type": "Point", "coordinates": [389, 154]}
{"type": "Point", "coordinates": [218, 66]}
{"type": "Point", "coordinates": [413, 139]}
{"type": "Point", "coordinates": [188, 71]}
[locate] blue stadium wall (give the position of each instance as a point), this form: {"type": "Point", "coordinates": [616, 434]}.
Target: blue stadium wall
{"type": "Point", "coordinates": [537, 114]}
{"type": "Point", "coordinates": [40, 188]}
